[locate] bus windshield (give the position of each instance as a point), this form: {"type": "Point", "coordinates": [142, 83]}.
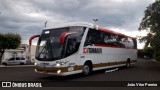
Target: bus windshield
{"type": "Point", "coordinates": [49, 47]}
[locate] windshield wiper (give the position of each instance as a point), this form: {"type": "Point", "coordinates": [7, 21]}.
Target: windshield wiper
{"type": "Point", "coordinates": [42, 49]}
{"type": "Point", "coordinates": [45, 46]}
{"type": "Point", "coordinates": [41, 52]}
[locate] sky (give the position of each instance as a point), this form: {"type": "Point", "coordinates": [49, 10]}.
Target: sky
{"type": "Point", "coordinates": [27, 17]}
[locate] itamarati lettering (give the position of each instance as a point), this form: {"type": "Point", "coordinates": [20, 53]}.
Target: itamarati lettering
{"type": "Point", "coordinates": [92, 50]}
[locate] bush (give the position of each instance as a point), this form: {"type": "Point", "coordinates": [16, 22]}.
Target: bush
{"type": "Point", "coordinates": [140, 53]}
{"type": "Point", "coordinates": [157, 55]}
{"type": "Point", "coordinates": [149, 52]}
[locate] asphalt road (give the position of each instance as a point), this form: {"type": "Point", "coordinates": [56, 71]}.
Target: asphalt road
{"type": "Point", "coordinates": [143, 70]}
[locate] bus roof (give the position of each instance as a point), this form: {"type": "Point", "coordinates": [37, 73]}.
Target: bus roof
{"type": "Point", "coordinates": [68, 24]}
{"type": "Point", "coordinates": [84, 24]}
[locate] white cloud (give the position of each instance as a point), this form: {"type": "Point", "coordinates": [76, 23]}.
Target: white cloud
{"type": "Point", "coordinates": [27, 17]}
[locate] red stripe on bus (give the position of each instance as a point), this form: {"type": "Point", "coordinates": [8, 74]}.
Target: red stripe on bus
{"type": "Point", "coordinates": [103, 45]}
{"type": "Point", "coordinates": [113, 32]}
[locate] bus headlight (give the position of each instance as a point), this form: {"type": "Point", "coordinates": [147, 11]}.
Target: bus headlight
{"type": "Point", "coordinates": [58, 64]}
{"type": "Point", "coordinates": [59, 71]}
{"type": "Point", "coordinates": [35, 64]}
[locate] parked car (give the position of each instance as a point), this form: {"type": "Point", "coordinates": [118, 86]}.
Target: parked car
{"type": "Point", "coordinates": [15, 61]}
{"type": "Point", "coordinates": [146, 57]}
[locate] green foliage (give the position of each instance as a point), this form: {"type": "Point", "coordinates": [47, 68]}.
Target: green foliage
{"type": "Point", "coordinates": [9, 41]}
{"type": "Point", "coordinates": [157, 55]}
{"type": "Point", "coordinates": [151, 20]}
{"type": "Point", "coordinates": [151, 23]}
{"type": "Point", "coordinates": [12, 41]}
{"type": "Point", "coordinates": [1, 41]}
{"type": "Point", "coordinates": [147, 39]}
{"type": "Point", "coordinates": [140, 53]}
{"type": "Point", "coordinates": [148, 51]}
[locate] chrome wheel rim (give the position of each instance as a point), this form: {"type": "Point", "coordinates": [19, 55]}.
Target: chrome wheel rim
{"type": "Point", "coordinates": [86, 70]}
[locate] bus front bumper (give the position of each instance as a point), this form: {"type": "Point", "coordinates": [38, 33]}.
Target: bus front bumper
{"type": "Point", "coordinates": [58, 71]}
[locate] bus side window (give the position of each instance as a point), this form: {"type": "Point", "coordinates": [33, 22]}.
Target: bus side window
{"type": "Point", "coordinates": [94, 37]}
{"type": "Point", "coordinates": [114, 40]}
{"type": "Point", "coordinates": [128, 43]}
{"type": "Point", "coordinates": [88, 40]}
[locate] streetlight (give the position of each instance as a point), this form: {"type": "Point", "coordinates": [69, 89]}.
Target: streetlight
{"type": "Point", "coordinates": [46, 23]}
{"type": "Point", "coordinates": [95, 20]}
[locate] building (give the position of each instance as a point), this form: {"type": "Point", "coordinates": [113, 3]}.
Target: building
{"type": "Point", "coordinates": [30, 53]}
{"type": "Point", "coordinates": [22, 51]}
{"type": "Point", "coordinates": [9, 53]}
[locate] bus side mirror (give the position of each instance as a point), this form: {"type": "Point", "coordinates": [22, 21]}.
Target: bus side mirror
{"type": "Point", "coordinates": [64, 35]}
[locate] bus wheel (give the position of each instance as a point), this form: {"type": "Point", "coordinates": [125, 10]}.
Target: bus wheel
{"type": "Point", "coordinates": [87, 68]}
{"type": "Point", "coordinates": [4, 64]}
{"type": "Point", "coordinates": [21, 63]}
{"type": "Point", "coordinates": [128, 64]}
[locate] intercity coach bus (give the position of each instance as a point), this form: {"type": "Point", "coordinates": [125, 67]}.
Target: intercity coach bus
{"type": "Point", "coordinates": [82, 48]}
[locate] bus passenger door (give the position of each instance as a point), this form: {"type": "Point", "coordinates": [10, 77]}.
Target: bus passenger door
{"type": "Point", "coordinates": [71, 49]}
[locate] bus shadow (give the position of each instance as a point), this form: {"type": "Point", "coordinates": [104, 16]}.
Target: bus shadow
{"type": "Point", "coordinates": [61, 78]}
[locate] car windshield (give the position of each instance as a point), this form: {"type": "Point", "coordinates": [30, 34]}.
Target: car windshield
{"type": "Point", "coordinates": [49, 46]}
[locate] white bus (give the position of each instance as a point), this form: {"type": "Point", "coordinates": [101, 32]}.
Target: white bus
{"type": "Point", "coordinates": [82, 48]}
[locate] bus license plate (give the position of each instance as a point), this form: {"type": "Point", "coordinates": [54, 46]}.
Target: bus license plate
{"type": "Point", "coordinates": [44, 64]}
{"type": "Point", "coordinates": [70, 68]}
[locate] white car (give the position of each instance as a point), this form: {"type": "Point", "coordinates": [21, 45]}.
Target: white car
{"type": "Point", "coordinates": [15, 61]}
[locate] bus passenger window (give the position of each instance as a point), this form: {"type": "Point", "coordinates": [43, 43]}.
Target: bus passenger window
{"type": "Point", "coordinates": [94, 37]}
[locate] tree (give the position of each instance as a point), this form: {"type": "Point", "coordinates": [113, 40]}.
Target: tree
{"type": "Point", "coordinates": [151, 23]}
{"type": "Point", "coordinates": [140, 53]}
{"type": "Point", "coordinates": [9, 41]}
{"type": "Point", "coordinates": [148, 51]}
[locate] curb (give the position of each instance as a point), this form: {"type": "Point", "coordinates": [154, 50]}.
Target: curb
{"type": "Point", "coordinates": [154, 60]}
{"type": "Point", "coordinates": [2, 66]}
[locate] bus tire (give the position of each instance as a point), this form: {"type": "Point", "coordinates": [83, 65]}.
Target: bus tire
{"type": "Point", "coordinates": [87, 68]}
{"type": "Point", "coordinates": [21, 63]}
{"type": "Point", "coordinates": [128, 64]}
{"type": "Point", "coordinates": [4, 64]}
